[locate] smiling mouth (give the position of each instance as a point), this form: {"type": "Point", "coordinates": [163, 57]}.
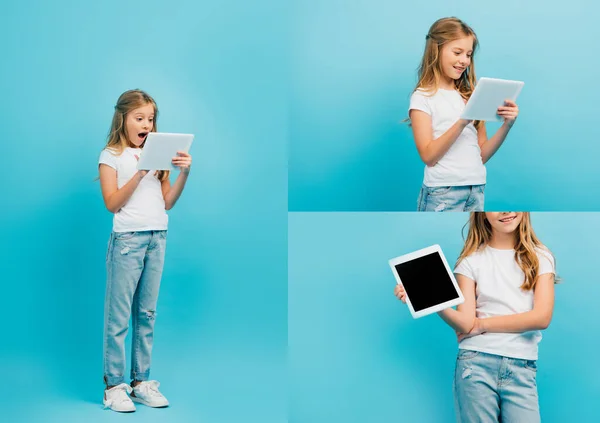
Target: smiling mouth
{"type": "Point", "coordinates": [508, 219]}
{"type": "Point", "coordinates": [459, 69]}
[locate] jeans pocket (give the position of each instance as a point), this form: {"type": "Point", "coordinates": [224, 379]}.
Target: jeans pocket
{"type": "Point", "coordinates": [467, 354]}
{"type": "Point", "coordinates": [434, 191]}
{"type": "Point", "coordinates": [123, 236]}
{"type": "Point", "coordinates": [531, 365]}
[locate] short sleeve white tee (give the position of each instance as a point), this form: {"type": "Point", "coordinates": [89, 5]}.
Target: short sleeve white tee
{"type": "Point", "coordinates": [462, 163]}
{"type": "Point", "coordinates": [145, 210]}
{"type": "Point", "coordinates": [498, 292]}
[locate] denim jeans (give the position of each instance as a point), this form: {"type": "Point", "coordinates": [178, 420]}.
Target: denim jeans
{"type": "Point", "coordinates": [134, 264]}
{"type": "Point", "coordinates": [452, 198]}
{"type": "Point", "coordinates": [491, 388]}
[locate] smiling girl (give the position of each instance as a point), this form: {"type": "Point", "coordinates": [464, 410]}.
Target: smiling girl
{"type": "Point", "coordinates": [136, 250]}
{"type": "Point", "coordinates": [454, 150]}
{"type": "Point", "coordinates": [507, 279]}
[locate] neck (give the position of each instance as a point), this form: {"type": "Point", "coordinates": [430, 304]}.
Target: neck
{"type": "Point", "coordinates": [502, 241]}
{"type": "Point", "coordinates": [447, 83]}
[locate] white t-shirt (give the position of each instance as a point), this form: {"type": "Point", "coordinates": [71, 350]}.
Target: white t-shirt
{"type": "Point", "coordinates": [145, 210]}
{"type": "Point", "coordinates": [498, 280]}
{"type": "Point", "coordinates": [462, 164]}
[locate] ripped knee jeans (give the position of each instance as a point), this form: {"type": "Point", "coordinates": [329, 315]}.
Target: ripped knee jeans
{"type": "Point", "coordinates": [134, 265]}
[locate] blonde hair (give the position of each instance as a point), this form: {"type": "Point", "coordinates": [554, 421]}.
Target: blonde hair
{"type": "Point", "coordinates": [526, 244]}
{"type": "Point", "coordinates": [430, 70]}
{"type": "Point", "coordinates": [117, 137]}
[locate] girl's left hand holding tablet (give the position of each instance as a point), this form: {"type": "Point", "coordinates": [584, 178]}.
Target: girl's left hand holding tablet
{"type": "Point", "coordinates": [509, 112]}
{"type": "Point", "coordinates": [183, 161]}
{"type": "Point", "coordinates": [400, 293]}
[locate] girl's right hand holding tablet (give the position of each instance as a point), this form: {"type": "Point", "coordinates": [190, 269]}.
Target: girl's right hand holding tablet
{"type": "Point", "coordinates": [400, 293]}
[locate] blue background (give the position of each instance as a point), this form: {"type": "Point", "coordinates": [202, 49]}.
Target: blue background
{"type": "Point", "coordinates": [216, 69]}
{"type": "Point", "coordinates": [354, 68]}
{"type": "Point", "coordinates": [357, 355]}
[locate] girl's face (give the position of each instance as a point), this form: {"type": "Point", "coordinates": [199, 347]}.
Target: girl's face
{"type": "Point", "coordinates": [504, 222]}
{"type": "Point", "coordinates": [456, 57]}
{"type": "Point", "coordinates": [138, 123]}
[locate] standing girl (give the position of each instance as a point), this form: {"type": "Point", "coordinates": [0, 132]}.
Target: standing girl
{"type": "Point", "coordinates": [507, 279]}
{"type": "Point", "coordinates": [454, 150]}
{"type": "Point", "coordinates": [134, 261]}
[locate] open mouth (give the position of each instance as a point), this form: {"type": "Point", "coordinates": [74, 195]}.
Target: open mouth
{"type": "Point", "coordinates": [142, 136]}
{"type": "Point", "coordinates": [508, 219]}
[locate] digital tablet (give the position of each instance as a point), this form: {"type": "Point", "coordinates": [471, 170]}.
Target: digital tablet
{"type": "Point", "coordinates": [428, 281]}
{"type": "Point", "coordinates": [490, 94]}
{"type": "Point", "coordinates": [160, 148]}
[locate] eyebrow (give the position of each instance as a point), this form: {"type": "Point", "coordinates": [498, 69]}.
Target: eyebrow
{"type": "Point", "coordinates": [141, 114]}
{"type": "Point", "coordinates": [458, 48]}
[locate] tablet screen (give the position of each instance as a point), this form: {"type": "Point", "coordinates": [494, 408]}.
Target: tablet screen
{"type": "Point", "coordinates": [426, 281]}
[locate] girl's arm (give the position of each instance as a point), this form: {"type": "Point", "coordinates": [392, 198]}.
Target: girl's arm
{"type": "Point", "coordinates": [537, 319]}
{"type": "Point", "coordinates": [432, 150]}
{"type": "Point", "coordinates": [489, 147]}
{"type": "Point", "coordinates": [463, 318]}
{"type": "Point", "coordinates": [172, 193]}
{"type": "Point", "coordinates": [115, 198]}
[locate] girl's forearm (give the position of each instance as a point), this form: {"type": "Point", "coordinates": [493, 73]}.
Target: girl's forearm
{"type": "Point", "coordinates": [119, 198]}
{"type": "Point", "coordinates": [460, 322]}
{"type": "Point", "coordinates": [516, 323]}
{"type": "Point", "coordinates": [489, 148]}
{"type": "Point", "coordinates": [438, 147]}
{"type": "Point", "coordinates": [175, 192]}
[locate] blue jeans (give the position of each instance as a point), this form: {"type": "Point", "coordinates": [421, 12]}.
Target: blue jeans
{"type": "Point", "coordinates": [134, 264]}
{"type": "Point", "coordinates": [451, 198]}
{"type": "Point", "coordinates": [491, 388]}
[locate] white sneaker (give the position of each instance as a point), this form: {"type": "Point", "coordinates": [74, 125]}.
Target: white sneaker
{"type": "Point", "coordinates": [116, 399]}
{"type": "Point", "coordinates": [147, 393]}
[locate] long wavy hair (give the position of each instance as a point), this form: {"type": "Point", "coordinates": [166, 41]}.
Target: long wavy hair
{"type": "Point", "coordinates": [117, 140]}
{"type": "Point", "coordinates": [430, 71]}
{"type": "Point", "coordinates": [526, 244]}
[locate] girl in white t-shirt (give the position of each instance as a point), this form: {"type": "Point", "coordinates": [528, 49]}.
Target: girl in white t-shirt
{"type": "Point", "coordinates": [454, 150]}
{"type": "Point", "coordinates": [134, 261]}
{"type": "Point", "coordinates": [507, 278]}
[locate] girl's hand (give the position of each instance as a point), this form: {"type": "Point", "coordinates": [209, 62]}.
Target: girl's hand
{"type": "Point", "coordinates": [183, 161]}
{"type": "Point", "coordinates": [400, 293]}
{"type": "Point", "coordinates": [509, 112]}
{"type": "Point", "coordinates": [477, 330]}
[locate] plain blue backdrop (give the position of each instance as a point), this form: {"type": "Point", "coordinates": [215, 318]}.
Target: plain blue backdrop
{"type": "Point", "coordinates": [356, 354]}
{"type": "Point", "coordinates": [216, 69]}
{"type": "Point", "coordinates": [354, 66]}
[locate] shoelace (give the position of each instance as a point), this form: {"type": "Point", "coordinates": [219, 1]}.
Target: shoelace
{"type": "Point", "coordinates": [150, 387]}
{"type": "Point", "coordinates": [119, 396]}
